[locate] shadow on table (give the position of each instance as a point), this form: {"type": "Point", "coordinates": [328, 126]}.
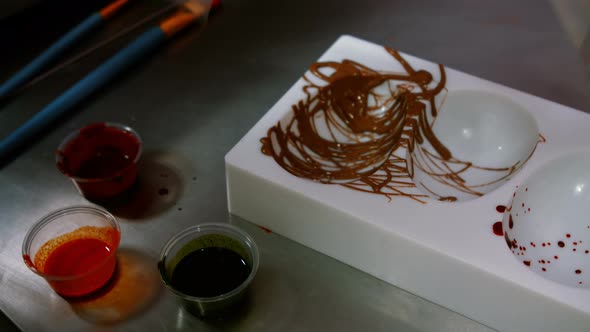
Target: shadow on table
{"type": "Point", "coordinates": [6, 325]}
{"type": "Point", "coordinates": [268, 301]}
{"type": "Point", "coordinates": [132, 290]}
{"type": "Point", "coordinates": [159, 186]}
{"type": "Point", "coordinates": [270, 305]}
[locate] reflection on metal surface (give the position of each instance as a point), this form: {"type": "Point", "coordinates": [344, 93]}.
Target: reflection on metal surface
{"type": "Point", "coordinates": [158, 187]}
{"type": "Point", "coordinates": [134, 287]}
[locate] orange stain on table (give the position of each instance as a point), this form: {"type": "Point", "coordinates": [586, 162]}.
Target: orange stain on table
{"type": "Point", "coordinates": [134, 288]}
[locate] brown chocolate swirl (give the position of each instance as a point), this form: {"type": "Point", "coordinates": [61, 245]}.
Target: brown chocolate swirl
{"type": "Point", "coordinates": [355, 124]}
{"type": "Point", "coordinates": [347, 127]}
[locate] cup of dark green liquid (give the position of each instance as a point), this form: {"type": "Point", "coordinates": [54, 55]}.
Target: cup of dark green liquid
{"type": "Point", "coordinates": [209, 267]}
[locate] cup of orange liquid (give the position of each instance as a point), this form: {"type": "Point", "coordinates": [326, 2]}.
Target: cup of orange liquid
{"type": "Point", "coordinates": [73, 249]}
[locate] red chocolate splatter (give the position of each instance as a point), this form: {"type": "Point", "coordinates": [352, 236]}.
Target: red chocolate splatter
{"type": "Point", "coordinates": [568, 235]}
{"type": "Point", "coordinates": [510, 222]}
{"type": "Point", "coordinates": [501, 208]}
{"type": "Point", "coordinates": [497, 228]}
{"type": "Point", "coordinates": [561, 244]}
{"type": "Point", "coordinates": [556, 257]}
{"type": "Point", "coordinates": [266, 230]}
{"type": "Point", "coordinates": [527, 263]}
{"type": "Point", "coordinates": [578, 271]}
{"type": "Point", "coordinates": [544, 269]}
{"type": "Point", "coordinates": [509, 242]}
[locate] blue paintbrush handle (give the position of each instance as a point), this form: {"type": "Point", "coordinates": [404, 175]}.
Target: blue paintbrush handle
{"type": "Point", "coordinates": [144, 44]}
{"type": "Point", "coordinates": [49, 55]}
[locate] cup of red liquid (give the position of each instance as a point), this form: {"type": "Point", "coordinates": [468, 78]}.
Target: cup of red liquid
{"type": "Point", "coordinates": [73, 249]}
{"type": "Point", "coordinates": [100, 159]}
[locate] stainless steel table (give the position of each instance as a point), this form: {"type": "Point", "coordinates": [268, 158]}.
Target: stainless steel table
{"type": "Point", "coordinates": [193, 100]}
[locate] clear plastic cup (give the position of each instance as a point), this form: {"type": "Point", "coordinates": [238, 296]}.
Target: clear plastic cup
{"type": "Point", "coordinates": [73, 249]}
{"type": "Point", "coordinates": [206, 236]}
{"type": "Point", "coordinates": [100, 159]}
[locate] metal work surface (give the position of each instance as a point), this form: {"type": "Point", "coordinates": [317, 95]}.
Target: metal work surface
{"type": "Point", "coordinates": [193, 100]}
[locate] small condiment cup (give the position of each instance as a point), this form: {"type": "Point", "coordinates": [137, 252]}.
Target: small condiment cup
{"type": "Point", "coordinates": [206, 236]}
{"type": "Point", "coordinates": [60, 228]}
{"type": "Point", "coordinates": [82, 157]}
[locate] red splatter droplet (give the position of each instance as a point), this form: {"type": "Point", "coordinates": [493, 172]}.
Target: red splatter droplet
{"type": "Point", "coordinates": [529, 209]}
{"type": "Point", "coordinates": [526, 189]}
{"type": "Point", "coordinates": [522, 204]}
{"type": "Point", "coordinates": [574, 249]}
{"type": "Point", "coordinates": [497, 228]}
{"type": "Point", "coordinates": [544, 269]}
{"type": "Point", "coordinates": [527, 263]}
{"type": "Point", "coordinates": [533, 244]}
{"type": "Point", "coordinates": [575, 243]}
{"type": "Point", "coordinates": [556, 257]}
{"type": "Point", "coordinates": [578, 271]}
{"type": "Point", "coordinates": [543, 244]}
{"type": "Point", "coordinates": [586, 251]}
{"type": "Point", "coordinates": [266, 230]}
{"type": "Point", "coordinates": [568, 235]}
{"type": "Point", "coordinates": [579, 282]}
{"type": "Point", "coordinates": [508, 241]}
{"type": "Point", "coordinates": [500, 208]}
{"type": "Point", "coordinates": [561, 244]}
{"type": "Point", "coordinates": [510, 222]}
{"type": "Point", "coordinates": [548, 243]}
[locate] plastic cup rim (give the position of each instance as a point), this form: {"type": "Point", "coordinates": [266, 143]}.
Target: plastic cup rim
{"type": "Point", "coordinates": [41, 223]}
{"type": "Point", "coordinates": [71, 136]}
{"type": "Point", "coordinates": [216, 228]}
